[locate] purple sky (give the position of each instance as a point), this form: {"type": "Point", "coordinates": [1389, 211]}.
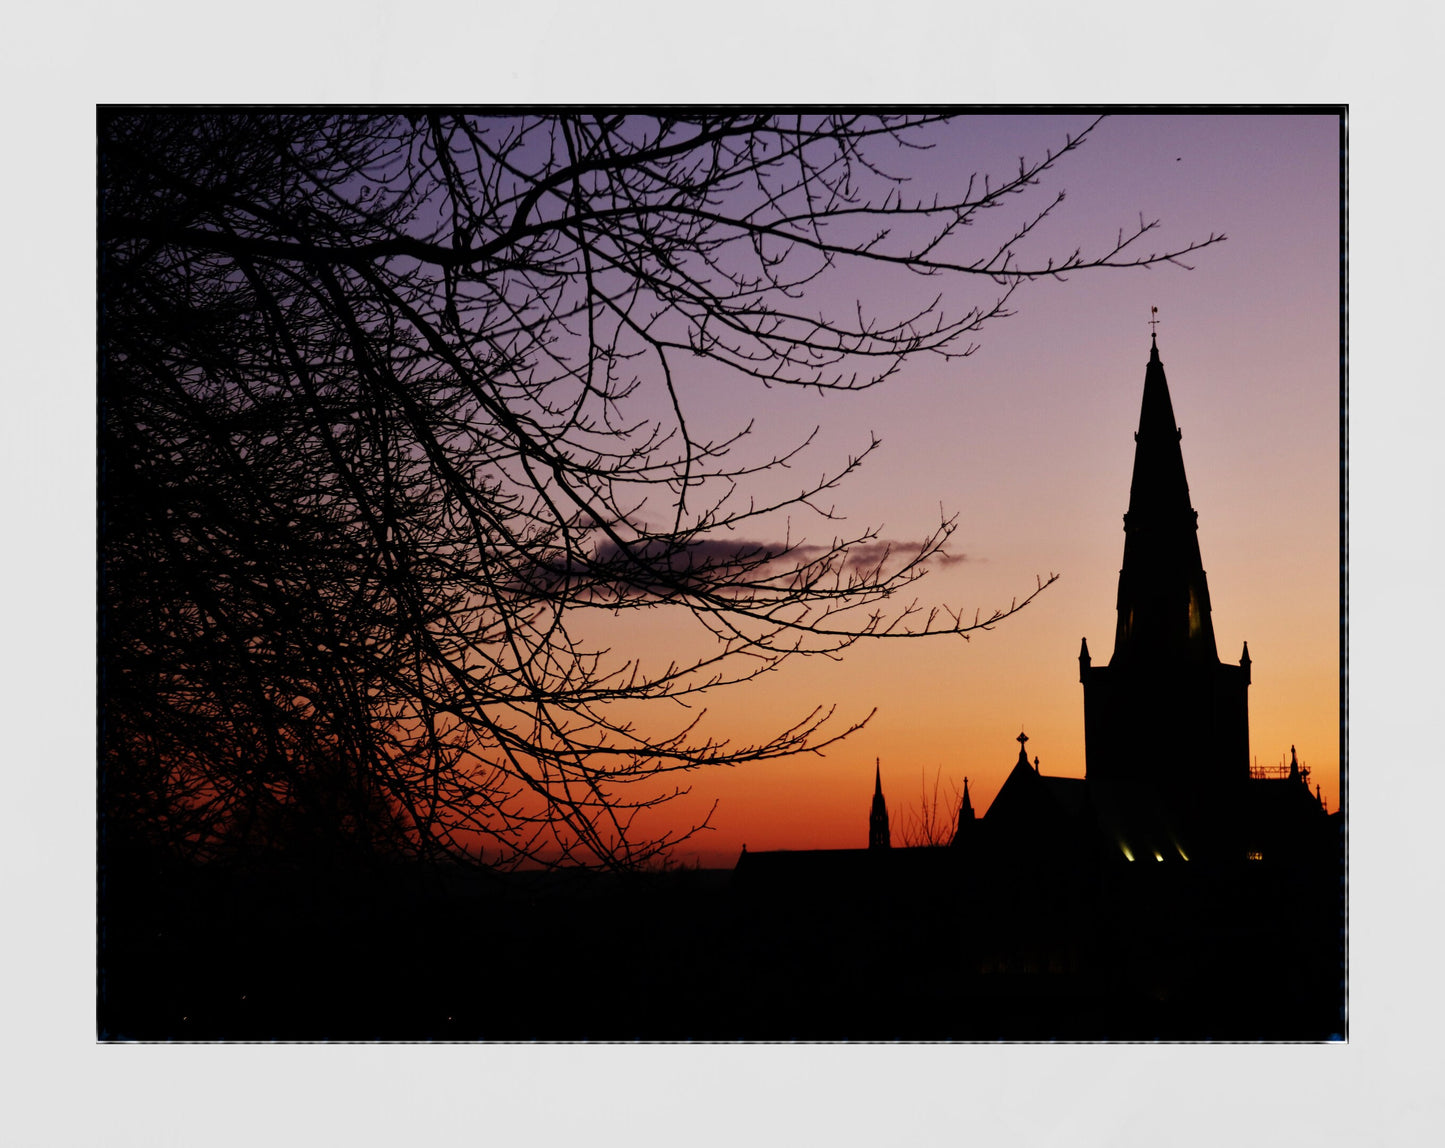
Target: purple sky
{"type": "Point", "coordinates": [1030, 441]}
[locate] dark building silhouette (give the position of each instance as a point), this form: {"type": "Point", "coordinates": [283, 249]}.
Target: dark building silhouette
{"type": "Point", "coordinates": [1171, 892]}
{"type": "Point", "coordinates": [878, 835]}
{"type": "Point", "coordinates": [1166, 723]}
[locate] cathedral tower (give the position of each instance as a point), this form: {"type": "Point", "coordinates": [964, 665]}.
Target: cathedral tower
{"type": "Point", "coordinates": [1166, 724]}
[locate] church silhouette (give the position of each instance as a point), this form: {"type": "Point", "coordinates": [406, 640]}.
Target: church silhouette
{"type": "Point", "coordinates": [1161, 882]}
{"type": "Point", "coordinates": [1166, 723]}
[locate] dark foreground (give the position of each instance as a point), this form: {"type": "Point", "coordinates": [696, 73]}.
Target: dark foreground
{"type": "Point", "coordinates": [907, 948]}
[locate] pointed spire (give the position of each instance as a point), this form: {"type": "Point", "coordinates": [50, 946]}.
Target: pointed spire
{"type": "Point", "coordinates": [1084, 660]}
{"type": "Point", "coordinates": [966, 818]}
{"type": "Point", "coordinates": [1293, 765]}
{"type": "Point", "coordinates": [1163, 600]}
{"type": "Point", "coordinates": [878, 835]}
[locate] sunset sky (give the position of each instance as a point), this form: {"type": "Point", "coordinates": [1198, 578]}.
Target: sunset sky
{"type": "Point", "coordinates": [1030, 441]}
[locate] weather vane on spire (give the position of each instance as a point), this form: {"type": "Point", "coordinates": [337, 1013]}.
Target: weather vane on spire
{"type": "Point", "coordinates": [1154, 321]}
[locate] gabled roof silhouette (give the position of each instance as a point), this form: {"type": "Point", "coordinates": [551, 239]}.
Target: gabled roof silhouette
{"type": "Point", "coordinates": [1021, 790]}
{"type": "Point", "coordinates": [1030, 801]}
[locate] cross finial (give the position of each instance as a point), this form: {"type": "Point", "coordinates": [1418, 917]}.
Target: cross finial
{"type": "Point", "coordinates": [1154, 321]}
{"type": "Point", "coordinates": [1022, 737]}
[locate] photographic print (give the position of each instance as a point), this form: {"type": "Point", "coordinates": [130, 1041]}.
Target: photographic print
{"type": "Point", "coordinates": [704, 574]}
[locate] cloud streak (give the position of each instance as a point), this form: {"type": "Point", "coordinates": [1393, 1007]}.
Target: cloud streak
{"type": "Point", "coordinates": [659, 567]}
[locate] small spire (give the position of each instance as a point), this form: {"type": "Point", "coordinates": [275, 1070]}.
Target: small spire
{"type": "Point", "coordinates": [1036, 763]}
{"type": "Point", "coordinates": [1293, 764]}
{"type": "Point", "coordinates": [878, 836]}
{"type": "Point", "coordinates": [1084, 659]}
{"type": "Point", "coordinates": [966, 817]}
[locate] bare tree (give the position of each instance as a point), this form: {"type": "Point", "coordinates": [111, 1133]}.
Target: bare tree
{"type": "Point", "coordinates": [935, 820]}
{"type": "Point", "coordinates": [388, 403]}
